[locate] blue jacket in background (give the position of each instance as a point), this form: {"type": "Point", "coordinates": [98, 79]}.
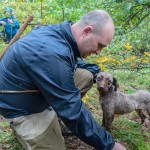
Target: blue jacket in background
{"type": "Point", "coordinates": [45, 60]}
{"type": "Point", "coordinates": [10, 28]}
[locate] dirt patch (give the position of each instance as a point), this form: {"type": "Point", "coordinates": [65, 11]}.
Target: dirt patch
{"type": "Point", "coordinates": [73, 143]}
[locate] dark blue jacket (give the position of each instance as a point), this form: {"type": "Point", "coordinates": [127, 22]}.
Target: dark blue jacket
{"type": "Point", "coordinates": [45, 59]}
{"type": "Point", "coordinates": [11, 28]}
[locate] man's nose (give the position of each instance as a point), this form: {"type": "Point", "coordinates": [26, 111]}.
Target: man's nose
{"type": "Point", "coordinates": [98, 51]}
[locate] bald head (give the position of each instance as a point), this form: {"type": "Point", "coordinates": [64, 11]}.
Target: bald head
{"type": "Point", "coordinates": [93, 32]}
{"type": "Point", "coordinates": [98, 19]}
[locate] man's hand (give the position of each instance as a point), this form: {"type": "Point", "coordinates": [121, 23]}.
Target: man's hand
{"type": "Point", "coordinates": [118, 146]}
{"type": "Point", "coordinates": [2, 22]}
{"type": "Point", "coordinates": [10, 20]}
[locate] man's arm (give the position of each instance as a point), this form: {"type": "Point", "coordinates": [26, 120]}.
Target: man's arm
{"type": "Point", "coordinates": [2, 23]}
{"type": "Point", "coordinates": [93, 68]}
{"type": "Point", "coordinates": [14, 23]}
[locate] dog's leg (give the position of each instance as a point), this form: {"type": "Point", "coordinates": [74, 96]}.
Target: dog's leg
{"type": "Point", "coordinates": [141, 114]}
{"type": "Point", "coordinates": [109, 122]}
{"type": "Point", "coordinates": [108, 119]}
{"type": "Point", "coordinates": [103, 119]}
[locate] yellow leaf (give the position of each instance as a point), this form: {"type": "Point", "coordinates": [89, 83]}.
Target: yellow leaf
{"type": "Point", "coordinates": [146, 53]}
{"type": "Point", "coordinates": [128, 46]}
{"type": "Point", "coordinates": [85, 98]}
{"type": "Point", "coordinates": [103, 68]}
{"type": "Point", "coordinates": [145, 61]}
{"type": "Point", "coordinates": [133, 58]}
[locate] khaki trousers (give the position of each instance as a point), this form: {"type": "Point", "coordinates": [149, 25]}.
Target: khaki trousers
{"type": "Point", "coordinates": [41, 131]}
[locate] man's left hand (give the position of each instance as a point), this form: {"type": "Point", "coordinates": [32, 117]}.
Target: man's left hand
{"type": "Point", "coordinates": [10, 20]}
{"type": "Point", "coordinates": [2, 22]}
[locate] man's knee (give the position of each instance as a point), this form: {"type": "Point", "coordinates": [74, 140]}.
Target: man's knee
{"type": "Point", "coordinates": [83, 80]}
{"type": "Point", "coordinates": [43, 134]}
{"type": "Point", "coordinates": [88, 78]}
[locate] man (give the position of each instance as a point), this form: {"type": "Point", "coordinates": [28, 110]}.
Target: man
{"type": "Point", "coordinates": [10, 23]}
{"type": "Point", "coordinates": [39, 72]}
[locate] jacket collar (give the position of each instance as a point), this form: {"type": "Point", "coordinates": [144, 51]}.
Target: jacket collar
{"type": "Point", "coordinates": [66, 29]}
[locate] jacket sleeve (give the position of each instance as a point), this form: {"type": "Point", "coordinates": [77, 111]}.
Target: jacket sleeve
{"type": "Point", "coordinates": [93, 68]}
{"type": "Point", "coordinates": [53, 75]}
{"type": "Point", "coordinates": [15, 24]}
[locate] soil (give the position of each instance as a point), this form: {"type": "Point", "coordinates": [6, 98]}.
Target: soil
{"type": "Point", "coordinates": [73, 143]}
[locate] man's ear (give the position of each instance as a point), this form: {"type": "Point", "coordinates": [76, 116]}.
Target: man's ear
{"type": "Point", "coordinates": [87, 30]}
{"type": "Point", "coordinates": [115, 83]}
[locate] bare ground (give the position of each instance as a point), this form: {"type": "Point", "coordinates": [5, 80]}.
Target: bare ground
{"type": "Point", "coordinates": [73, 143]}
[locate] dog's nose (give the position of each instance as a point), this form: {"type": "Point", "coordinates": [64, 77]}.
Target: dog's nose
{"type": "Point", "coordinates": [101, 88]}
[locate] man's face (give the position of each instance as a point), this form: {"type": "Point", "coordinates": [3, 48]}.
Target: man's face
{"type": "Point", "coordinates": [7, 14]}
{"type": "Point", "coordinates": [92, 43]}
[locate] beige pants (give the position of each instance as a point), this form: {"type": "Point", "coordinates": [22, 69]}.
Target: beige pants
{"type": "Point", "coordinates": [41, 131]}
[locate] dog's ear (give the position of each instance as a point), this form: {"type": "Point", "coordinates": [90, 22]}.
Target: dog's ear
{"type": "Point", "coordinates": [94, 78]}
{"type": "Point", "coordinates": [115, 83]}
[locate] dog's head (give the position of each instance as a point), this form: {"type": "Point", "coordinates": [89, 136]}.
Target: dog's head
{"type": "Point", "coordinates": [106, 82]}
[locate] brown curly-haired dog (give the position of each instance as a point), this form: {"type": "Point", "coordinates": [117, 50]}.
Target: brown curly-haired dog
{"type": "Point", "coordinates": [115, 102]}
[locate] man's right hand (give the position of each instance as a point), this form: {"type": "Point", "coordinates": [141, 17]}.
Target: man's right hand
{"type": "Point", "coordinates": [2, 22]}
{"type": "Point", "coordinates": [119, 146]}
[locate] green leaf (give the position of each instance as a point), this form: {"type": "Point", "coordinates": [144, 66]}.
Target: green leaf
{"type": "Point", "coordinates": [137, 41]}
{"type": "Point", "coordinates": [140, 1]}
{"type": "Point", "coordinates": [129, 6]}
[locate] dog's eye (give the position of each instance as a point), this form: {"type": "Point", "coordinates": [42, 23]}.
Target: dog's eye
{"type": "Point", "coordinates": [108, 82]}
{"type": "Point", "coordinates": [99, 78]}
